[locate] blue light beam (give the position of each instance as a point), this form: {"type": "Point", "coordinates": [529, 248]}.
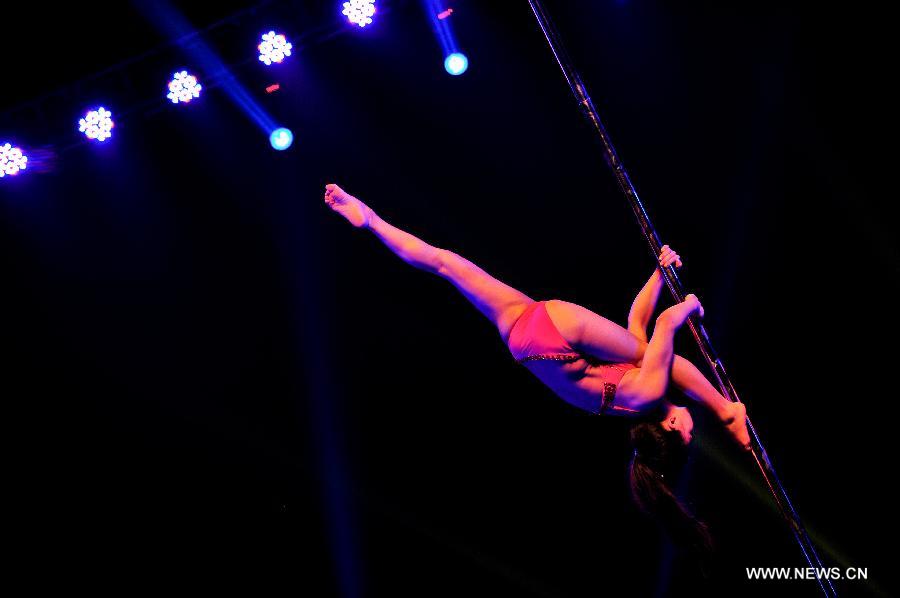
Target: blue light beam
{"type": "Point", "coordinates": [455, 62]}
{"type": "Point", "coordinates": [173, 24]}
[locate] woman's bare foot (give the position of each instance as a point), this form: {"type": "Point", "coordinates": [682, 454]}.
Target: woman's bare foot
{"type": "Point", "coordinates": [676, 315]}
{"type": "Point", "coordinates": [734, 419]}
{"type": "Point", "coordinates": [355, 211]}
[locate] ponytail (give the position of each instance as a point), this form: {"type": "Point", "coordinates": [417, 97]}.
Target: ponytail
{"type": "Point", "coordinates": [658, 460]}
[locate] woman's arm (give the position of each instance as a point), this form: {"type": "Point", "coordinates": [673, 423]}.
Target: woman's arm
{"type": "Point", "coordinates": [645, 303]}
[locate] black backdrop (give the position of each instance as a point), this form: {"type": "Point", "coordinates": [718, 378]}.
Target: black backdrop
{"type": "Point", "coordinates": [208, 373]}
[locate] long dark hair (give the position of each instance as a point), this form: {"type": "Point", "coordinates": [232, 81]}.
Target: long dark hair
{"type": "Point", "coordinates": [659, 458]}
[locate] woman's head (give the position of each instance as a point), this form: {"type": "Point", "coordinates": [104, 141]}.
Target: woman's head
{"type": "Point", "coordinates": [679, 419]}
{"type": "Point", "coordinates": [660, 454]}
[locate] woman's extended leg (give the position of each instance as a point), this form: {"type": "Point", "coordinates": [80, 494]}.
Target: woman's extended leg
{"type": "Point", "coordinates": [499, 302]}
{"type": "Point", "coordinates": [694, 384]}
{"type": "Point", "coordinates": [698, 388]}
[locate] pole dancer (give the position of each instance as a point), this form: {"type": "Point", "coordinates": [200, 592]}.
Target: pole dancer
{"type": "Point", "coordinates": [591, 362]}
{"type": "Point", "coordinates": [723, 381]}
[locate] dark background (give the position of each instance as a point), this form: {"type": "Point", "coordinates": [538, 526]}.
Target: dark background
{"type": "Point", "coordinates": [208, 375]}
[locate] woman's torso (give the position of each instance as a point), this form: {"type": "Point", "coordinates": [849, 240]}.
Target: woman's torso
{"type": "Point", "coordinates": [578, 379]}
{"type": "Point", "coordinates": [583, 382]}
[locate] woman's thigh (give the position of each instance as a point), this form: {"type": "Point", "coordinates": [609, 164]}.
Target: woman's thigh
{"type": "Point", "coordinates": [594, 335]}
{"type": "Point", "coordinates": [499, 302]}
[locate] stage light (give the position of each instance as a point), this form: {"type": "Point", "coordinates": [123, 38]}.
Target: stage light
{"type": "Point", "coordinates": [12, 160]}
{"type": "Point", "coordinates": [274, 48]}
{"type": "Point", "coordinates": [183, 88]}
{"type": "Point", "coordinates": [456, 63]}
{"type": "Point", "coordinates": [281, 138]}
{"type": "Point", "coordinates": [359, 12]}
{"type": "Point", "coordinates": [97, 124]}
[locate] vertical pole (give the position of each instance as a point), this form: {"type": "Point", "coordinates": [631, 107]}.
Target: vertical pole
{"type": "Point", "coordinates": [675, 287]}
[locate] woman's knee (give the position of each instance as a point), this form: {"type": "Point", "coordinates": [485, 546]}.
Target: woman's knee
{"type": "Point", "coordinates": [642, 348]}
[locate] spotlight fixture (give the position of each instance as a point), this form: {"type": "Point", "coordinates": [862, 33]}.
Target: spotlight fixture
{"type": "Point", "coordinates": [12, 160]}
{"type": "Point", "coordinates": [281, 138]}
{"type": "Point", "coordinates": [456, 63]}
{"type": "Point", "coordinates": [97, 124]}
{"type": "Point", "coordinates": [274, 47]}
{"type": "Point", "coordinates": [183, 88]}
{"type": "Point", "coordinates": [359, 12]}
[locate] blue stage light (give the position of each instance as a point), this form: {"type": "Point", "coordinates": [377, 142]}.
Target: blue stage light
{"type": "Point", "coordinates": [97, 124]}
{"type": "Point", "coordinates": [359, 12]}
{"type": "Point", "coordinates": [183, 88]}
{"type": "Point", "coordinates": [12, 160]}
{"type": "Point", "coordinates": [456, 63]}
{"type": "Point", "coordinates": [281, 138]}
{"type": "Point", "coordinates": [274, 47]}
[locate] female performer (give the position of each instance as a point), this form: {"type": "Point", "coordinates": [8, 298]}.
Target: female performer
{"type": "Point", "coordinates": [590, 361]}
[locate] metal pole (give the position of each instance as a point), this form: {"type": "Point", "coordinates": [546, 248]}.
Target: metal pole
{"type": "Point", "coordinates": [675, 287]}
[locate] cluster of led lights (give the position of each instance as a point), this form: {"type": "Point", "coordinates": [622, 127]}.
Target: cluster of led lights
{"type": "Point", "coordinates": [274, 47]}
{"type": "Point", "coordinates": [12, 160]}
{"type": "Point", "coordinates": [359, 12]}
{"type": "Point", "coordinates": [183, 88]}
{"type": "Point", "coordinates": [97, 124]}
